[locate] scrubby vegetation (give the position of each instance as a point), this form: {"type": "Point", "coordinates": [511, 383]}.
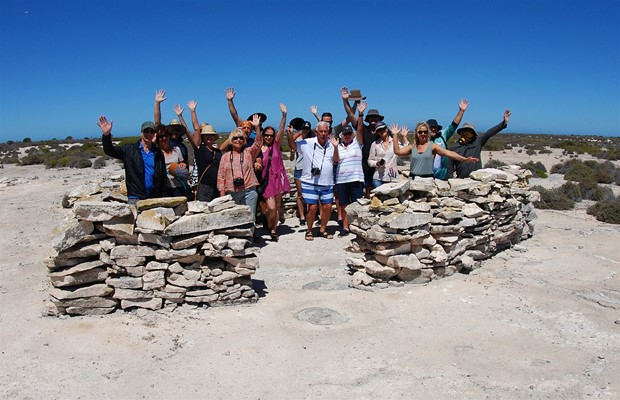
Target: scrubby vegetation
{"type": "Point", "coordinates": [553, 199]}
{"type": "Point", "coordinates": [606, 211]}
{"type": "Point", "coordinates": [578, 171]}
{"type": "Point", "coordinates": [537, 168]}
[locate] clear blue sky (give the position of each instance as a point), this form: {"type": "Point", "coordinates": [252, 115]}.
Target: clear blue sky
{"type": "Point", "coordinates": [555, 64]}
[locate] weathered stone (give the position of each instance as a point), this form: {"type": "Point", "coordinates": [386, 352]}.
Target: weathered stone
{"type": "Point", "coordinates": [130, 261]}
{"type": "Point", "coordinates": [81, 267]}
{"type": "Point", "coordinates": [170, 255]}
{"type": "Point", "coordinates": [97, 290]}
{"type": "Point", "coordinates": [174, 289]}
{"type": "Point", "coordinates": [457, 184]}
{"type": "Point", "coordinates": [70, 234]}
{"type": "Point", "coordinates": [84, 190]}
{"type": "Point", "coordinates": [154, 280]}
{"type": "Point", "coordinates": [164, 202]}
{"type": "Point", "coordinates": [392, 189]}
{"type": "Point", "coordinates": [154, 303]}
{"type": "Point", "coordinates": [101, 211]}
{"type": "Point", "coordinates": [225, 276]}
{"type": "Point", "coordinates": [78, 277]}
{"type": "Point", "coordinates": [423, 185]}
{"type": "Point", "coordinates": [200, 292]}
{"type": "Point", "coordinates": [88, 302]}
{"type": "Point", "coordinates": [156, 266]}
{"type": "Point", "coordinates": [156, 219]}
{"type": "Point", "coordinates": [180, 280]}
{"type": "Point", "coordinates": [124, 294]}
{"type": "Point", "coordinates": [219, 241]}
{"type": "Point", "coordinates": [250, 263]}
{"type": "Point", "coordinates": [237, 243]}
{"type": "Point", "coordinates": [235, 216]}
{"type": "Point", "coordinates": [185, 242]}
{"type": "Point", "coordinates": [406, 220]}
{"type": "Point", "coordinates": [192, 259]}
{"type": "Point", "coordinates": [154, 239]}
{"type": "Point", "coordinates": [416, 276]}
{"type": "Point", "coordinates": [377, 270]}
{"type": "Point", "coordinates": [125, 282]}
{"type": "Point", "coordinates": [89, 310]}
{"type": "Point", "coordinates": [135, 271]}
{"type": "Point", "coordinates": [390, 249]}
{"type": "Point", "coordinates": [176, 268]}
{"type": "Point", "coordinates": [409, 261]}
{"type": "Point", "coordinates": [126, 251]}
{"type": "Point", "coordinates": [119, 226]}
{"type": "Point", "coordinates": [419, 207]}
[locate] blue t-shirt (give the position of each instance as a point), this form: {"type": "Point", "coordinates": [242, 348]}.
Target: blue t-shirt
{"type": "Point", "coordinates": [149, 169]}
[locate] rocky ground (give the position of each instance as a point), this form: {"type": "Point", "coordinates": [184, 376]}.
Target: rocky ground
{"type": "Point", "coordinates": [538, 321]}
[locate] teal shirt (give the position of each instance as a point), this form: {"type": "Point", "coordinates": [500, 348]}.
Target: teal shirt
{"type": "Point", "coordinates": [440, 165]}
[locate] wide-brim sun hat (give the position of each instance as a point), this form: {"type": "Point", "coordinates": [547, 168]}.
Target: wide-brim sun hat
{"type": "Point", "coordinates": [206, 129]}
{"type": "Point", "coordinates": [433, 123]}
{"type": "Point", "coordinates": [262, 116]}
{"type": "Point", "coordinates": [356, 95]}
{"type": "Point", "coordinates": [373, 113]}
{"type": "Point", "coordinates": [297, 123]}
{"type": "Point", "coordinates": [467, 127]}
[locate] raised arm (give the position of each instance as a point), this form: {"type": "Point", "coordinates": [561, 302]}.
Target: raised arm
{"type": "Point", "coordinates": [315, 112]}
{"type": "Point", "coordinates": [452, 154]}
{"type": "Point", "coordinates": [192, 108]}
{"type": "Point", "coordinates": [450, 130]}
{"type": "Point", "coordinates": [360, 127]}
{"type": "Point", "coordinates": [108, 148]}
{"type": "Point", "coordinates": [290, 137]}
{"type": "Point", "coordinates": [344, 93]}
{"type": "Point", "coordinates": [160, 96]}
{"type": "Point", "coordinates": [230, 95]}
{"type": "Point", "coordinates": [179, 113]}
{"type": "Point", "coordinates": [400, 151]}
{"type": "Point", "coordinates": [496, 129]}
{"type": "Point", "coordinates": [334, 142]}
{"type": "Point", "coordinates": [280, 132]}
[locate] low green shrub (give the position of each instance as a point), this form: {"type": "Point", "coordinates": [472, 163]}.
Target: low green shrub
{"type": "Point", "coordinates": [494, 164]}
{"type": "Point", "coordinates": [99, 163]}
{"type": "Point", "coordinates": [537, 168]}
{"type": "Point", "coordinates": [553, 199]}
{"type": "Point", "coordinates": [606, 211]}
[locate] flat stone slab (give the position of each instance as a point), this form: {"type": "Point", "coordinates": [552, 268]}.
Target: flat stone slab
{"type": "Point", "coordinates": [321, 316]}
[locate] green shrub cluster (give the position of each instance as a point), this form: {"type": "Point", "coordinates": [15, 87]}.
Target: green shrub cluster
{"type": "Point", "coordinates": [591, 170]}
{"type": "Point", "coordinates": [553, 199]}
{"type": "Point", "coordinates": [537, 168]}
{"type": "Point", "coordinates": [494, 164]}
{"type": "Point", "coordinates": [606, 211]}
{"type": "Point", "coordinates": [56, 156]}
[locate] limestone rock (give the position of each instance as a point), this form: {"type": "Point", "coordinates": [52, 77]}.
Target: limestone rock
{"type": "Point", "coordinates": [101, 210]}
{"type": "Point", "coordinates": [97, 290]}
{"type": "Point", "coordinates": [70, 234]}
{"type": "Point", "coordinates": [235, 216]}
{"type": "Point", "coordinates": [164, 202]}
{"type": "Point", "coordinates": [157, 218]}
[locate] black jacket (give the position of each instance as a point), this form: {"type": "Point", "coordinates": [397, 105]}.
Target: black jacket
{"type": "Point", "coordinates": [134, 167]}
{"type": "Point", "coordinates": [473, 149]}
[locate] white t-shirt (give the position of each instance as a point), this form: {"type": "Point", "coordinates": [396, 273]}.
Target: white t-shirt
{"type": "Point", "coordinates": [317, 156]}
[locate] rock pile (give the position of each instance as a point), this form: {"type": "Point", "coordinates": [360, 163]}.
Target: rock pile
{"type": "Point", "coordinates": [159, 253]}
{"type": "Point", "coordinates": [424, 229]}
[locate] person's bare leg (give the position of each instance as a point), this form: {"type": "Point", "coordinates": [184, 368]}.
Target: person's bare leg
{"type": "Point", "coordinates": [301, 208]}
{"type": "Point", "coordinates": [312, 209]}
{"type": "Point", "coordinates": [326, 210]}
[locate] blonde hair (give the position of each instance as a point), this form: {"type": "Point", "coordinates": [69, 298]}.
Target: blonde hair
{"type": "Point", "coordinates": [237, 132]}
{"type": "Point", "coordinates": [415, 131]}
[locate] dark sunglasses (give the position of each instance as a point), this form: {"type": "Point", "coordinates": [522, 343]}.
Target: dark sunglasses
{"type": "Point", "coordinates": [423, 132]}
{"type": "Point", "coordinates": [149, 131]}
{"type": "Point", "coordinates": [238, 138]}
{"type": "Point", "coordinates": [162, 136]}
{"type": "Point", "coordinates": [268, 135]}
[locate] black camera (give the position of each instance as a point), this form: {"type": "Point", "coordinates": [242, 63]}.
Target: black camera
{"type": "Point", "coordinates": [315, 171]}
{"type": "Point", "coordinates": [381, 162]}
{"type": "Point", "coordinates": [238, 182]}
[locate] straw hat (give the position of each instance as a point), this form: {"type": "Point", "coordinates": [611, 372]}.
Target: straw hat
{"type": "Point", "coordinates": [206, 129]}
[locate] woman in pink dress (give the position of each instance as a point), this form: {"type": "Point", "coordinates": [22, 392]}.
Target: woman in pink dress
{"type": "Point", "coordinates": [275, 174]}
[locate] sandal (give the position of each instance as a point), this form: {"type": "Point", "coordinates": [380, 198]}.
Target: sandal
{"type": "Point", "coordinates": [274, 236]}
{"type": "Point", "coordinates": [309, 236]}
{"type": "Point", "coordinates": [326, 235]}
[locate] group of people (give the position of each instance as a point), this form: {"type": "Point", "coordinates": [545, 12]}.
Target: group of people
{"type": "Point", "coordinates": [340, 163]}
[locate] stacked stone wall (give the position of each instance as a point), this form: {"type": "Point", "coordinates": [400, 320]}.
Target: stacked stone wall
{"type": "Point", "coordinates": [424, 229]}
{"type": "Point", "coordinates": [159, 253]}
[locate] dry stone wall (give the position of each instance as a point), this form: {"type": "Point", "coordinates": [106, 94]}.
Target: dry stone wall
{"type": "Point", "coordinates": [423, 229]}
{"type": "Point", "coordinates": [160, 253]}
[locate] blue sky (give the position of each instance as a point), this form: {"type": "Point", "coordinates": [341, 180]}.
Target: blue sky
{"type": "Point", "coordinates": [555, 64]}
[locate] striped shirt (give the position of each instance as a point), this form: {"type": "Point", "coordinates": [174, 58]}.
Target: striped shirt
{"type": "Point", "coordinates": [350, 165]}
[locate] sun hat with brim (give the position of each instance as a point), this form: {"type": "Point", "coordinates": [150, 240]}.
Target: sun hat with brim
{"type": "Point", "coordinates": [297, 123]}
{"type": "Point", "coordinates": [356, 95]}
{"type": "Point", "coordinates": [174, 122]}
{"type": "Point", "coordinates": [262, 116]}
{"type": "Point", "coordinates": [373, 113]}
{"type": "Point", "coordinates": [468, 126]}
{"type": "Point", "coordinates": [433, 123]}
{"type": "Point", "coordinates": [207, 129]}
{"type": "Point", "coordinates": [147, 125]}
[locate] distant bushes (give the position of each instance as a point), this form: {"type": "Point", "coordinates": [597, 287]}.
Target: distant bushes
{"type": "Point", "coordinates": [606, 211]}
{"type": "Point", "coordinates": [56, 156]}
{"type": "Point", "coordinates": [537, 168]}
{"type": "Point", "coordinates": [494, 164]}
{"type": "Point", "coordinates": [553, 199]}
{"type": "Point", "coordinates": [578, 171]}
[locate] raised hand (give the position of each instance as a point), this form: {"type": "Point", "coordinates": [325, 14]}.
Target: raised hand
{"type": "Point", "coordinates": [283, 108]}
{"type": "Point", "coordinates": [463, 104]}
{"type": "Point", "coordinates": [344, 92]}
{"type": "Point", "coordinates": [256, 121]}
{"type": "Point", "coordinates": [394, 128]}
{"type": "Point", "coordinates": [314, 109]}
{"type": "Point", "coordinates": [404, 131]}
{"type": "Point", "coordinates": [362, 106]}
{"type": "Point", "coordinates": [192, 105]}
{"type": "Point", "coordinates": [178, 110]}
{"type": "Point", "coordinates": [332, 140]}
{"type": "Point", "coordinates": [289, 130]}
{"type": "Point", "coordinates": [506, 116]}
{"type": "Point", "coordinates": [230, 93]}
{"type": "Point", "coordinates": [106, 127]}
{"type": "Point", "coordinates": [160, 95]}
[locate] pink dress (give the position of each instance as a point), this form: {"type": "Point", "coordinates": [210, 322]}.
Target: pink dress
{"type": "Point", "coordinates": [278, 180]}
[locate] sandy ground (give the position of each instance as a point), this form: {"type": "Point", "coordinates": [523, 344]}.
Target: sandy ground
{"type": "Point", "coordinates": [542, 321]}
